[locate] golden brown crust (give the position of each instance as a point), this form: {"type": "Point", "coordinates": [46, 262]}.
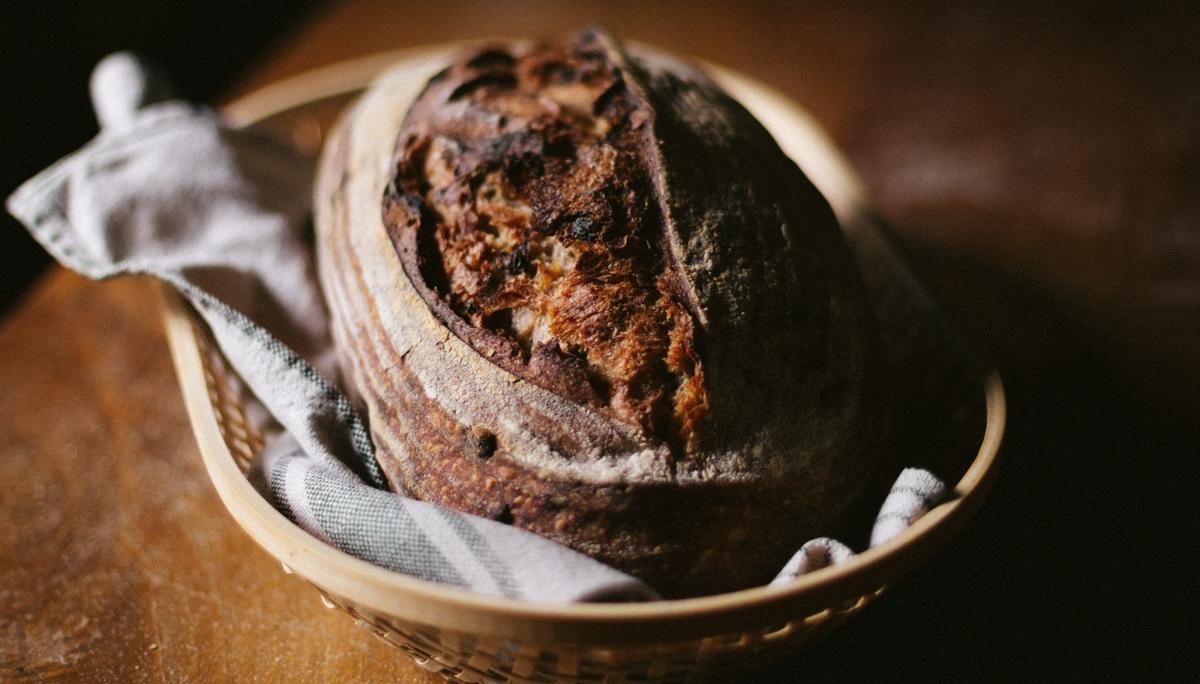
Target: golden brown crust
{"type": "Point", "coordinates": [523, 187]}
{"type": "Point", "coordinates": [731, 298]}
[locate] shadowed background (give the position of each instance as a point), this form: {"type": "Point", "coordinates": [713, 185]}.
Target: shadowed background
{"type": "Point", "coordinates": [1040, 165]}
{"type": "Point", "coordinates": [47, 50]}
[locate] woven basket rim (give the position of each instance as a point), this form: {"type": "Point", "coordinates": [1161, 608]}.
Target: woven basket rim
{"type": "Point", "coordinates": [447, 607]}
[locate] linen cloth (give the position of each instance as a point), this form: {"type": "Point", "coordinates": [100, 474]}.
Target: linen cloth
{"type": "Point", "coordinates": [168, 190]}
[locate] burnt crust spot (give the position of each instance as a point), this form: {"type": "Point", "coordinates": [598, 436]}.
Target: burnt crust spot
{"type": "Point", "coordinates": [524, 209]}
{"type": "Point", "coordinates": [504, 515]}
{"type": "Point", "coordinates": [495, 80]}
{"type": "Point", "coordinates": [494, 57]}
{"type": "Point", "coordinates": [583, 228]}
{"type": "Point", "coordinates": [485, 442]}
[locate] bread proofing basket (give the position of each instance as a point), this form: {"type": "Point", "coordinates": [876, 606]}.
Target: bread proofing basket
{"type": "Point", "coordinates": [471, 638]}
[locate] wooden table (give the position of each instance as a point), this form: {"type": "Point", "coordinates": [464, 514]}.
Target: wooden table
{"type": "Point", "coordinates": [1042, 169]}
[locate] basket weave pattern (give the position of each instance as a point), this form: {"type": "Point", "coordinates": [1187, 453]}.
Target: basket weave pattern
{"type": "Point", "coordinates": [469, 658]}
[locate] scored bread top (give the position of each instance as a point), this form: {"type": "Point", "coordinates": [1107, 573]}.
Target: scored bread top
{"type": "Point", "coordinates": [523, 176]}
{"type": "Point", "coordinates": [632, 283]}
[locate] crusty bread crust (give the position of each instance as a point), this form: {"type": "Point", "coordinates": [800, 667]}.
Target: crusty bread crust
{"type": "Point", "coordinates": [723, 381]}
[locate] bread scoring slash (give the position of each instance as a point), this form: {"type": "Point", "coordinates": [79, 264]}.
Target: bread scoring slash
{"type": "Point", "coordinates": [598, 302]}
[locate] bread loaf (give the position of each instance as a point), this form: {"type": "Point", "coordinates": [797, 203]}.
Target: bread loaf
{"type": "Point", "coordinates": [579, 289]}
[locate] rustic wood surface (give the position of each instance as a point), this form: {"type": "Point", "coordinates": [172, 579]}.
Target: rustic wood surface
{"type": "Point", "coordinates": [1041, 168]}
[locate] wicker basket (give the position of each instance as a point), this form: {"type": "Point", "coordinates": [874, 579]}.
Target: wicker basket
{"type": "Point", "coordinates": [471, 638]}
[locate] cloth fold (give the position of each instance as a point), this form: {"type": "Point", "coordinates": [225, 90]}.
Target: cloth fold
{"type": "Point", "coordinates": [429, 541]}
{"type": "Point", "coordinates": [168, 190]}
{"type": "Point", "coordinates": [911, 496]}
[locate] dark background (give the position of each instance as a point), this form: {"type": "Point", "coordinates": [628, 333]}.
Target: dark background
{"type": "Point", "coordinates": [1082, 273]}
{"type": "Point", "coordinates": [47, 51]}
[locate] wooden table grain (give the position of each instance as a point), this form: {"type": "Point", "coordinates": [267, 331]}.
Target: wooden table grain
{"type": "Point", "coordinates": [1040, 167]}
